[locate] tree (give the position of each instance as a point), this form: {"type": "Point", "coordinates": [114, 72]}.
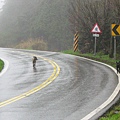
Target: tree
{"type": "Point", "coordinates": [47, 19]}
{"type": "Point", "coordinates": [83, 15]}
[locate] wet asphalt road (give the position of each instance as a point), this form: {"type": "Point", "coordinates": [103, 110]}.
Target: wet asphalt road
{"type": "Point", "coordinates": [80, 87]}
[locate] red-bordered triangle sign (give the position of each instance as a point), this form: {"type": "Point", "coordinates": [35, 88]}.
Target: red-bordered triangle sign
{"type": "Point", "coordinates": [96, 29]}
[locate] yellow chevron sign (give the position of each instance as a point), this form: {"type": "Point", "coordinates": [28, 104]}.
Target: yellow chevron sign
{"type": "Point", "coordinates": [115, 30]}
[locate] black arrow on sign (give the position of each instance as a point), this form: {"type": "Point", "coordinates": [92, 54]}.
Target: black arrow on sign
{"type": "Point", "coordinates": [115, 29]}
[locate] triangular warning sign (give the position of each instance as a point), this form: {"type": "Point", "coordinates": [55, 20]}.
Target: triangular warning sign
{"type": "Point", "coordinates": [96, 29]}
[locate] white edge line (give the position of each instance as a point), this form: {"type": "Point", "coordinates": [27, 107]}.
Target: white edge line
{"type": "Point", "coordinates": [6, 65]}
{"type": "Point", "coordinates": [109, 100]}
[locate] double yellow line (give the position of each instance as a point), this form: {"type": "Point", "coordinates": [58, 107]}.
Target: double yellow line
{"type": "Point", "coordinates": [56, 71]}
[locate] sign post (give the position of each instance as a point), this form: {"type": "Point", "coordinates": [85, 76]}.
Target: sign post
{"type": "Point", "coordinates": [114, 47]}
{"type": "Point", "coordinates": [96, 31]}
{"type": "Point", "coordinates": [95, 46]}
{"type": "Point", "coordinates": [115, 31]}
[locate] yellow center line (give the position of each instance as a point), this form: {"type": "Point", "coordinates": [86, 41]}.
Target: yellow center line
{"type": "Point", "coordinates": [56, 71]}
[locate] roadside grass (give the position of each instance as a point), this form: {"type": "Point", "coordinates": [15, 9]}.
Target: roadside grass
{"type": "Point", "coordinates": [1, 65]}
{"type": "Point", "coordinates": [114, 112]}
{"type": "Point", "coordinates": [112, 117]}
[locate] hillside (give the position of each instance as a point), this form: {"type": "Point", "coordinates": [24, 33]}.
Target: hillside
{"type": "Point", "coordinates": [44, 19]}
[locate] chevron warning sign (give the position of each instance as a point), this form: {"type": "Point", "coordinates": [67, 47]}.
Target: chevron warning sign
{"type": "Point", "coordinates": [76, 37]}
{"type": "Point", "coordinates": [115, 30]}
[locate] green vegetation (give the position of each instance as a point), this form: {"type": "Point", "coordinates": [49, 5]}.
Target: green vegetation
{"type": "Point", "coordinates": [114, 112]}
{"type": "Point", "coordinates": [1, 65]}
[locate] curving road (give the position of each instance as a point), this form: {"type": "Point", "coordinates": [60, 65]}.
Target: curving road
{"type": "Point", "coordinates": [77, 88]}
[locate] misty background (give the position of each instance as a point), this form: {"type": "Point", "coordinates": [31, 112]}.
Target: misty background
{"type": "Point", "coordinates": [40, 24]}
{"type": "Point", "coordinates": [51, 24]}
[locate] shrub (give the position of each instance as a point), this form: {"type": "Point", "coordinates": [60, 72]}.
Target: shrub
{"type": "Point", "coordinates": [35, 44]}
{"type": "Point", "coordinates": [1, 65]}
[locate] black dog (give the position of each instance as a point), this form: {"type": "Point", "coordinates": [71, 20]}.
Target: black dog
{"type": "Point", "coordinates": [118, 67]}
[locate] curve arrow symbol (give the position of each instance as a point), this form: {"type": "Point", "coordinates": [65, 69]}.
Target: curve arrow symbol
{"type": "Point", "coordinates": [115, 30]}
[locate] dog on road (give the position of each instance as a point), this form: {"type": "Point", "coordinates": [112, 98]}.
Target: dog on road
{"type": "Point", "coordinates": [34, 61]}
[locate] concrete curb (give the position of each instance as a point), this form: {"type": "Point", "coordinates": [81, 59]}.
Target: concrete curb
{"type": "Point", "coordinates": [109, 100]}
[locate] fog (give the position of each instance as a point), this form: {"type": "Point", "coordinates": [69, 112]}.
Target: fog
{"type": "Point", "coordinates": [38, 24]}
{"type": "Point", "coordinates": [51, 24]}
